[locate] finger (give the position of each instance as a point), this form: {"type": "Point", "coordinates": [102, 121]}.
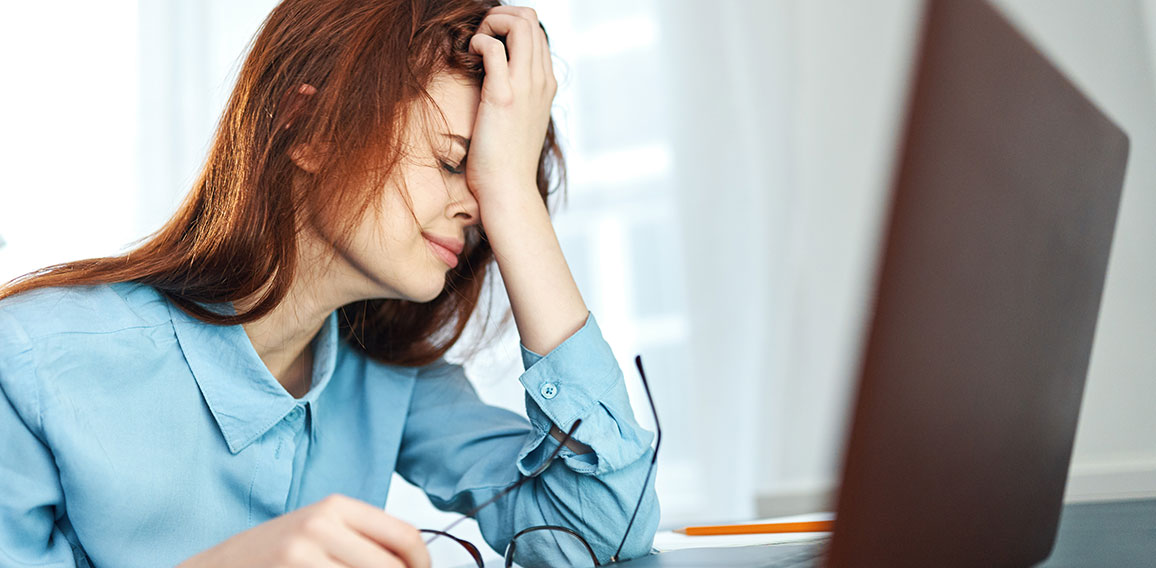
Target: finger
{"type": "Point", "coordinates": [496, 85]}
{"type": "Point", "coordinates": [351, 548]}
{"type": "Point", "coordinates": [537, 32]}
{"type": "Point", "coordinates": [302, 553]}
{"type": "Point", "coordinates": [519, 39]}
{"type": "Point", "coordinates": [546, 64]}
{"type": "Point", "coordinates": [401, 539]}
{"type": "Point", "coordinates": [541, 52]}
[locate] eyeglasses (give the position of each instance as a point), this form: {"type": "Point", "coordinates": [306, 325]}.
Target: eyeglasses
{"type": "Point", "coordinates": [551, 545]}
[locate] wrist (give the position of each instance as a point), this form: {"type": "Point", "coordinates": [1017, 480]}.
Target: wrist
{"type": "Point", "coordinates": [514, 214]}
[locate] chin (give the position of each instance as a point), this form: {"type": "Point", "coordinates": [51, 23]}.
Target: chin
{"type": "Point", "coordinates": [426, 293]}
{"type": "Point", "coordinates": [426, 298]}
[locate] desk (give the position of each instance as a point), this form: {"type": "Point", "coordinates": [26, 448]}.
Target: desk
{"type": "Point", "coordinates": [1117, 533]}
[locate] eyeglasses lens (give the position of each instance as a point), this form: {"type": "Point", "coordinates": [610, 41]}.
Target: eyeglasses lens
{"type": "Point", "coordinates": [549, 548]}
{"type": "Point", "coordinates": [452, 552]}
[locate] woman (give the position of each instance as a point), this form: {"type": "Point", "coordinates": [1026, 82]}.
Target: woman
{"type": "Point", "coordinates": [238, 389]}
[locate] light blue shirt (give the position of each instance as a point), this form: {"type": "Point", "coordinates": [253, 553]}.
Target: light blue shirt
{"type": "Point", "coordinates": [132, 434]}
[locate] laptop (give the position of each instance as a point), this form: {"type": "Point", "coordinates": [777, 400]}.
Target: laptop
{"type": "Point", "coordinates": [1002, 211]}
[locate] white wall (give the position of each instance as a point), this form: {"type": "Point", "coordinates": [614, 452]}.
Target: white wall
{"type": "Point", "coordinates": [730, 120]}
{"type": "Point", "coordinates": [67, 127]}
{"type": "Point", "coordinates": [191, 53]}
{"type": "Point", "coordinates": [849, 88]}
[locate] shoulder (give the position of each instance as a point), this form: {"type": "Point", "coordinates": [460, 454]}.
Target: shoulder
{"type": "Point", "coordinates": [440, 369]}
{"type": "Point", "coordinates": [373, 367]}
{"type": "Point", "coordinates": [440, 379]}
{"type": "Point", "coordinates": [83, 346]}
{"type": "Point", "coordinates": [445, 382]}
{"type": "Point", "coordinates": [105, 308]}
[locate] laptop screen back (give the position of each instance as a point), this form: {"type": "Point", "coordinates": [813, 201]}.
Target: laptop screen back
{"type": "Point", "coordinates": [1003, 210]}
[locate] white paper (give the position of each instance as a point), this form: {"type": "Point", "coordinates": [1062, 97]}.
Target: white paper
{"type": "Point", "coordinates": [669, 540]}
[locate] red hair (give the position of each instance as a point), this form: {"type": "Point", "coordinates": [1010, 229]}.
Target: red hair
{"type": "Point", "coordinates": [235, 235]}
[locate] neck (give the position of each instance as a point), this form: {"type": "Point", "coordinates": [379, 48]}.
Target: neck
{"type": "Point", "coordinates": [323, 282]}
{"type": "Point", "coordinates": [282, 337]}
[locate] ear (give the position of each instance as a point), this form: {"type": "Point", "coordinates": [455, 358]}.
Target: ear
{"type": "Point", "coordinates": [304, 155]}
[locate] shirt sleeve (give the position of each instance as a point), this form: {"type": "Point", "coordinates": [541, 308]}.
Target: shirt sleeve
{"type": "Point", "coordinates": [462, 452]}
{"type": "Point", "coordinates": [31, 497]}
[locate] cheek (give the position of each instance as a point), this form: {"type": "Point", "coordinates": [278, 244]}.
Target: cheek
{"type": "Point", "coordinates": [391, 234]}
{"type": "Point", "coordinates": [387, 245]}
{"type": "Point", "coordinates": [380, 237]}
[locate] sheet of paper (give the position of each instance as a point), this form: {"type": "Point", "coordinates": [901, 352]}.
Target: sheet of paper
{"type": "Point", "coordinates": [669, 540]}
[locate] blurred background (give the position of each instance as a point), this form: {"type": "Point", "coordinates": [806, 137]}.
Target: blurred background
{"type": "Point", "coordinates": [728, 163]}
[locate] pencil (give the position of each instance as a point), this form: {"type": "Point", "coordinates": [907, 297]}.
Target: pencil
{"type": "Point", "coordinates": [761, 528]}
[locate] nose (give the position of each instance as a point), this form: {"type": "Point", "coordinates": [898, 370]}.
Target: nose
{"type": "Point", "coordinates": [463, 204]}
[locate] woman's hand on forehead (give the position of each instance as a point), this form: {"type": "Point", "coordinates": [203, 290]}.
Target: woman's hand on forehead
{"type": "Point", "coordinates": [502, 171]}
{"type": "Point", "coordinates": [516, 96]}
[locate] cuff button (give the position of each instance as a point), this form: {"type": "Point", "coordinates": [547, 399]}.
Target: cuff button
{"type": "Point", "coordinates": [549, 390]}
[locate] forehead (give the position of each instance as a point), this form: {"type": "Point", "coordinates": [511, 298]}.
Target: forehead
{"type": "Point", "coordinates": [458, 100]}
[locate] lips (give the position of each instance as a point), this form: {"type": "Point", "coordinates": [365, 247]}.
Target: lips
{"type": "Point", "coordinates": [451, 244]}
{"type": "Point", "coordinates": [445, 249]}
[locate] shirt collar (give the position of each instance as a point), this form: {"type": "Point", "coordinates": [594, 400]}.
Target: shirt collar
{"type": "Point", "coordinates": [244, 397]}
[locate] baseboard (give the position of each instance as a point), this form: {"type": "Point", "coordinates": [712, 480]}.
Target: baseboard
{"type": "Point", "coordinates": [1105, 480]}
{"type": "Point", "coordinates": [795, 502]}
{"type": "Point", "coordinates": [1111, 480]}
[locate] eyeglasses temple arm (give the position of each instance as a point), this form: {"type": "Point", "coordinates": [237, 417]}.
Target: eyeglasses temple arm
{"type": "Point", "coordinates": [653, 457]}
{"type": "Point", "coordinates": [503, 492]}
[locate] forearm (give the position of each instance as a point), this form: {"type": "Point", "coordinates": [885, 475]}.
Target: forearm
{"type": "Point", "coordinates": [574, 445]}
{"type": "Point", "coordinates": [604, 505]}
{"type": "Point", "coordinates": [593, 493]}
{"type": "Point", "coordinates": [545, 300]}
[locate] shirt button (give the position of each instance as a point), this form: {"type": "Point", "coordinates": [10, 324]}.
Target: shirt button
{"type": "Point", "coordinates": [295, 413]}
{"type": "Point", "coordinates": [549, 390]}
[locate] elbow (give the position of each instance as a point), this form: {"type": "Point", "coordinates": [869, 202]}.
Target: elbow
{"type": "Point", "coordinates": [640, 540]}
{"type": "Point", "coordinates": [616, 522]}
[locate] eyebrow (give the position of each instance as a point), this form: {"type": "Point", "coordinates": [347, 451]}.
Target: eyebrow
{"type": "Point", "coordinates": [465, 142]}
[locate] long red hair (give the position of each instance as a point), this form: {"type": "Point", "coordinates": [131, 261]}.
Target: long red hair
{"type": "Point", "coordinates": [235, 235]}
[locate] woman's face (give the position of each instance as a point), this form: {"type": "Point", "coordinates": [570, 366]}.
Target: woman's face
{"type": "Point", "coordinates": [405, 252]}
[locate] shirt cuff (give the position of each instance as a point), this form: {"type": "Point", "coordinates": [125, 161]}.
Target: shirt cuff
{"type": "Point", "coordinates": [529, 357]}
{"type": "Point", "coordinates": [580, 379]}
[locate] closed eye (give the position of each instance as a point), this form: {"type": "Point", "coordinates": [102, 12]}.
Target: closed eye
{"type": "Point", "coordinates": [456, 170]}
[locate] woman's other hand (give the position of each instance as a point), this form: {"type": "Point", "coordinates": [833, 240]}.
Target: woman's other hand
{"type": "Point", "coordinates": [336, 531]}
{"type": "Point", "coordinates": [516, 96]}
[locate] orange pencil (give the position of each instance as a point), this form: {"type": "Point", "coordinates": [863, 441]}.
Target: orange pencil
{"type": "Point", "coordinates": [761, 528]}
